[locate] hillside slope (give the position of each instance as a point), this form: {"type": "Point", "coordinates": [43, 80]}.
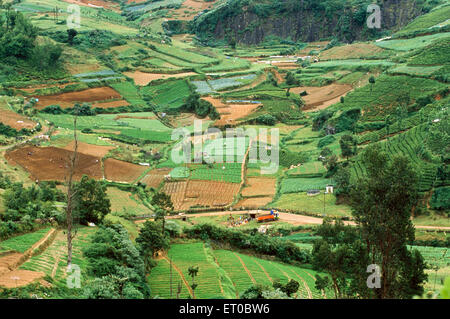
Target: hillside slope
{"type": "Point", "coordinates": [251, 21]}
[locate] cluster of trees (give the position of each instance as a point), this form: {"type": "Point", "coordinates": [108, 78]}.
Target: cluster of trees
{"type": "Point", "coordinates": [18, 42]}
{"type": "Point", "coordinates": [382, 203]}
{"type": "Point", "coordinates": [201, 108]}
{"type": "Point", "coordinates": [116, 264]}
{"type": "Point", "coordinates": [277, 291]}
{"type": "Point", "coordinates": [27, 208]}
{"type": "Point", "coordinates": [261, 244]}
{"type": "Point", "coordinates": [8, 131]}
{"type": "Point", "coordinates": [84, 109]}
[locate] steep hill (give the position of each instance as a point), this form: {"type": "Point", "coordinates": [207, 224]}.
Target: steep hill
{"type": "Point", "coordinates": [251, 21]}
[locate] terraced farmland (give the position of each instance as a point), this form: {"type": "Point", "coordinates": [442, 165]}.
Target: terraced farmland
{"type": "Point", "coordinates": [223, 273]}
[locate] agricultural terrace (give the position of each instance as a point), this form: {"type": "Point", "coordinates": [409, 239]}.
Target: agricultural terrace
{"type": "Point", "coordinates": [224, 273]}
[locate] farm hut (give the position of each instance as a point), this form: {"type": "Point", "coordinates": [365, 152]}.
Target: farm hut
{"type": "Point", "coordinates": [329, 189]}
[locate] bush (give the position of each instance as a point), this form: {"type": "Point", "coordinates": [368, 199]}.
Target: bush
{"type": "Point", "coordinates": [326, 141]}
{"type": "Point", "coordinates": [441, 198]}
{"type": "Point", "coordinates": [284, 250]}
{"type": "Point", "coordinates": [266, 119]}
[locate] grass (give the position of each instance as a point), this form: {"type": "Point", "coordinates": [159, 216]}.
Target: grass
{"type": "Point", "coordinates": [53, 261]}
{"type": "Point", "coordinates": [436, 53]}
{"type": "Point", "coordinates": [231, 173]}
{"type": "Point", "coordinates": [129, 92]}
{"type": "Point", "coordinates": [311, 204]}
{"type": "Point", "coordinates": [413, 43]}
{"type": "Point", "coordinates": [297, 185]}
{"type": "Point", "coordinates": [380, 99]}
{"type": "Point", "coordinates": [309, 169]}
{"type": "Point", "coordinates": [168, 95]}
{"type": "Point", "coordinates": [431, 19]}
{"type": "Point", "coordinates": [23, 242]}
{"type": "Point", "coordinates": [126, 202]}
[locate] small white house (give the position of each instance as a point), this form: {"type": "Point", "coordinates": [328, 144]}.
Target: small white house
{"type": "Point", "coordinates": [329, 189]}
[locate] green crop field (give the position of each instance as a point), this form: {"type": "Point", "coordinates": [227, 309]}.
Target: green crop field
{"type": "Point", "coordinates": [311, 204]}
{"type": "Point", "coordinates": [265, 75]}
{"type": "Point", "coordinates": [297, 185]}
{"type": "Point", "coordinates": [53, 261]}
{"type": "Point", "coordinates": [219, 172]}
{"type": "Point", "coordinates": [23, 242]}
{"type": "Point", "coordinates": [223, 273]}
{"type": "Point", "coordinates": [428, 20]}
{"type": "Point", "coordinates": [382, 97]}
{"type": "Point", "coordinates": [168, 95]}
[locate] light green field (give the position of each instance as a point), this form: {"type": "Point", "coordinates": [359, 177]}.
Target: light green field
{"type": "Point", "coordinates": [312, 204]}
{"type": "Point", "coordinates": [23, 242]}
{"type": "Point", "coordinates": [413, 43]}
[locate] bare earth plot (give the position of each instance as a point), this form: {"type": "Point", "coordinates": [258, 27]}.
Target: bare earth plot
{"type": "Point", "coordinates": [90, 149]}
{"type": "Point", "coordinates": [319, 98]}
{"type": "Point", "coordinates": [186, 194]}
{"type": "Point", "coordinates": [51, 163]}
{"type": "Point", "coordinates": [231, 113]}
{"type": "Point", "coordinates": [120, 171]}
{"type": "Point", "coordinates": [155, 177]}
{"type": "Point", "coordinates": [144, 78]}
{"type": "Point", "coordinates": [65, 100]}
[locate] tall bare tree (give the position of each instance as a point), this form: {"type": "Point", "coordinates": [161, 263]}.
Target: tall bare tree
{"type": "Point", "coordinates": [71, 194]}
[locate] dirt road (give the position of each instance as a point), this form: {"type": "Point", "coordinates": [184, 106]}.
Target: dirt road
{"type": "Point", "coordinates": [293, 219]}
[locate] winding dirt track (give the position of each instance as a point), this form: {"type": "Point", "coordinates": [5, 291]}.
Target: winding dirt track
{"type": "Point", "coordinates": [293, 219]}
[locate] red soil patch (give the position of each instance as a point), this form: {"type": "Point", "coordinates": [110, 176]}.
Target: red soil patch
{"type": "Point", "coordinates": [155, 177]}
{"type": "Point", "coordinates": [15, 120]}
{"type": "Point", "coordinates": [231, 113]}
{"type": "Point", "coordinates": [89, 149]}
{"type": "Point", "coordinates": [193, 6]}
{"type": "Point", "coordinates": [95, 4]}
{"type": "Point", "coordinates": [68, 99]}
{"type": "Point", "coordinates": [52, 164]}
{"type": "Point", "coordinates": [260, 186]}
{"type": "Point", "coordinates": [106, 105]}
{"type": "Point", "coordinates": [143, 78]}
{"type": "Point", "coordinates": [120, 171]}
{"type": "Point", "coordinates": [20, 278]}
{"type": "Point", "coordinates": [319, 98]}
{"type": "Point", "coordinates": [186, 194]}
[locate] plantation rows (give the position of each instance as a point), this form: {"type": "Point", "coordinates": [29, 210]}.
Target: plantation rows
{"type": "Point", "coordinates": [220, 172]}
{"type": "Point", "coordinates": [409, 144]}
{"type": "Point", "coordinates": [218, 267]}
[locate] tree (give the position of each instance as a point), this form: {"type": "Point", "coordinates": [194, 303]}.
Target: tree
{"type": "Point", "coordinates": [91, 201]}
{"type": "Point", "coordinates": [150, 241]}
{"type": "Point", "coordinates": [331, 164]}
{"type": "Point", "coordinates": [116, 264]}
{"type": "Point", "coordinates": [164, 205]}
{"type": "Point", "coordinates": [71, 34]}
{"type": "Point", "coordinates": [193, 272]}
{"type": "Point", "coordinates": [342, 180]}
{"type": "Point", "coordinates": [289, 288]}
{"type": "Point", "coordinates": [348, 145]}
{"type": "Point", "coordinates": [372, 82]}
{"type": "Point", "coordinates": [18, 35]}
{"type": "Point", "coordinates": [382, 203]}
{"type": "Point", "coordinates": [70, 196]}
{"type": "Point", "coordinates": [290, 79]}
